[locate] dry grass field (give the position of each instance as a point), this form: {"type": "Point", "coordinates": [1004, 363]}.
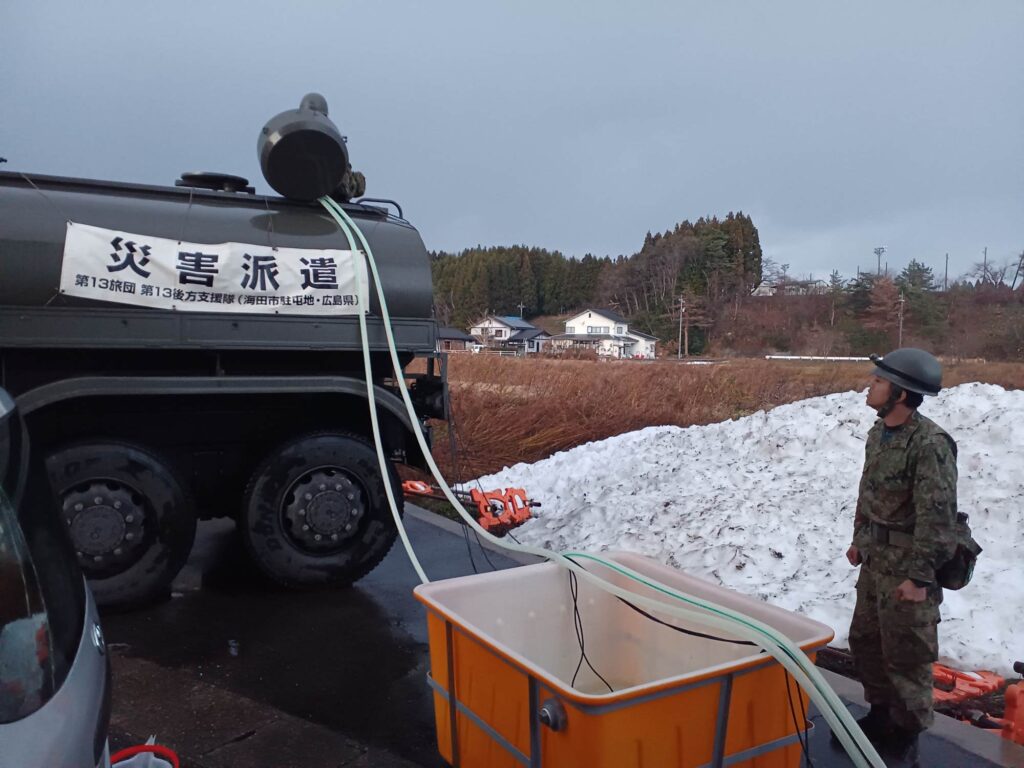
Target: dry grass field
{"type": "Point", "coordinates": [508, 410]}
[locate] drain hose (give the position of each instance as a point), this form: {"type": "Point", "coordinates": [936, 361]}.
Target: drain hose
{"type": "Point", "coordinates": [701, 611]}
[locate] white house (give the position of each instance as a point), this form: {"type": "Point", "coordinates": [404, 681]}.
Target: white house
{"type": "Point", "coordinates": [530, 341]}
{"type": "Point", "coordinates": [607, 333]}
{"type": "Point", "coordinates": [499, 328]}
{"type": "Point", "coordinates": [508, 332]}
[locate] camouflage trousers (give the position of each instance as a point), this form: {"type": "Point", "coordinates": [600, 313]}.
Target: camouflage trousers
{"type": "Point", "coordinates": [894, 644]}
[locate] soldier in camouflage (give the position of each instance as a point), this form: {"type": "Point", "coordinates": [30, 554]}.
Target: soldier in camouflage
{"type": "Point", "coordinates": [904, 530]}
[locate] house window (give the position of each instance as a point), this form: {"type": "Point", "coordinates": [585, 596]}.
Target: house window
{"type": "Point", "coordinates": [620, 329]}
{"type": "Point", "coordinates": [598, 329]}
{"type": "Point", "coordinates": [498, 333]}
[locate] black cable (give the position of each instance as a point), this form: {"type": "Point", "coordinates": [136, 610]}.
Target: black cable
{"type": "Point", "coordinates": [805, 738]}
{"type": "Point", "coordinates": [690, 632]}
{"type": "Point", "coordinates": [456, 470]}
{"type": "Point", "coordinates": [469, 549]}
{"type": "Point", "coordinates": [803, 719]}
{"type": "Point", "coordinates": [483, 551]}
{"type": "Point", "coordinates": [578, 623]}
{"type": "Point", "coordinates": [455, 445]}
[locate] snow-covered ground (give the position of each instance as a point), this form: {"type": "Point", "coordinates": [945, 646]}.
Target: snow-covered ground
{"type": "Point", "coordinates": [764, 505]}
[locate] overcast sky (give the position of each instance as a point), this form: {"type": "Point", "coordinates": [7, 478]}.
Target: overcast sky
{"type": "Point", "coordinates": [576, 126]}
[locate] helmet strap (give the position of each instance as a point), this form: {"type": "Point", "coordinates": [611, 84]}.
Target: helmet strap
{"type": "Point", "coordinates": [894, 395]}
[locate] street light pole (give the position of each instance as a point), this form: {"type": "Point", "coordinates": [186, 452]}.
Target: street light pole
{"type": "Point", "coordinates": [878, 252]}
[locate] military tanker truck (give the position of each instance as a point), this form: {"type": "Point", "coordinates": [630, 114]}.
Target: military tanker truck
{"type": "Point", "coordinates": [193, 351]}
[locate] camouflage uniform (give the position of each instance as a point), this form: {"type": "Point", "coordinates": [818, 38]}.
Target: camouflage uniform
{"type": "Point", "coordinates": [904, 529]}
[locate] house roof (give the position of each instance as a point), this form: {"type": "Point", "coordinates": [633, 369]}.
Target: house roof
{"type": "Point", "coordinates": [615, 317]}
{"type": "Point", "coordinates": [516, 323]}
{"type": "Point", "coordinates": [513, 322]}
{"type": "Point", "coordinates": [453, 334]}
{"type": "Point", "coordinates": [643, 335]}
{"type": "Point", "coordinates": [527, 335]}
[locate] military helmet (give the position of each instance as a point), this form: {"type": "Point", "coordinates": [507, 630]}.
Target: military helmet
{"type": "Point", "coordinates": [912, 369]}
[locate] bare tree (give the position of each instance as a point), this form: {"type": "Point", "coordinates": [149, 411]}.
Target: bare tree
{"type": "Point", "coordinates": [990, 273]}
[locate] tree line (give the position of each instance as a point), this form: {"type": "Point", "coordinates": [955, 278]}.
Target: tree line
{"type": "Point", "coordinates": [694, 285]}
{"type": "Point", "coordinates": [980, 314]}
{"type": "Point", "coordinates": [708, 262]}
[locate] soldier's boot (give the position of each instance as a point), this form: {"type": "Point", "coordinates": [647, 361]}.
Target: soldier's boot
{"type": "Point", "coordinates": [876, 725]}
{"type": "Point", "coordinates": [900, 748]}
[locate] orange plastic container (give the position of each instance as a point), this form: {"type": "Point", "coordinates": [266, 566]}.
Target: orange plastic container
{"type": "Point", "coordinates": [1013, 716]}
{"type": "Point", "coordinates": [504, 646]}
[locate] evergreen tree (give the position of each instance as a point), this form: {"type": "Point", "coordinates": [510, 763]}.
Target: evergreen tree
{"type": "Point", "coordinates": [858, 292]}
{"type": "Point", "coordinates": [917, 275]}
{"type": "Point", "coordinates": [922, 304]}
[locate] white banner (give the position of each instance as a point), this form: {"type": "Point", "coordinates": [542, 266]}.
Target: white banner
{"type": "Point", "coordinates": [110, 265]}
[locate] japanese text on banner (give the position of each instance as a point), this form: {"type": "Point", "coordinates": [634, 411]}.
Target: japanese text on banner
{"type": "Point", "coordinates": [127, 268]}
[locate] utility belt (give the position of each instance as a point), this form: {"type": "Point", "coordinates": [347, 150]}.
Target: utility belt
{"type": "Point", "coordinates": [886, 535]}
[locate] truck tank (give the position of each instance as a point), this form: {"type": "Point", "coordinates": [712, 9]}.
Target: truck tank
{"type": "Point", "coordinates": [33, 312]}
{"type": "Point", "coordinates": [152, 417]}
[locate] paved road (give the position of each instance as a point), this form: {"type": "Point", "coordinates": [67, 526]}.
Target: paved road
{"type": "Point", "coordinates": [234, 672]}
{"type": "Point", "coordinates": [348, 665]}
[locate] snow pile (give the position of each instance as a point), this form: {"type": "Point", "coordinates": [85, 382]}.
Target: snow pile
{"type": "Point", "coordinates": [764, 505]}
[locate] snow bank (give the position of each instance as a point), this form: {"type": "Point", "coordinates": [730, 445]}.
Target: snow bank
{"type": "Point", "coordinates": [764, 505]}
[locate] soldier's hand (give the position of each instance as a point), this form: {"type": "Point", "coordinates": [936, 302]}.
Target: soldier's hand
{"type": "Point", "coordinates": [910, 592]}
{"type": "Point", "coordinates": [853, 555]}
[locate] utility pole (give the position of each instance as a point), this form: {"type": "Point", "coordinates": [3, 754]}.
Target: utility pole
{"type": "Point", "coordinates": [878, 252]}
{"type": "Point", "coordinates": [984, 264]}
{"type": "Point", "coordinates": [902, 301]}
{"type": "Point", "coordinates": [1018, 272]}
{"type": "Point", "coordinates": [679, 344]}
{"type": "Point", "coordinates": [686, 335]}
{"type": "Point", "coordinates": [945, 280]}
{"type": "Point", "coordinates": [521, 306]}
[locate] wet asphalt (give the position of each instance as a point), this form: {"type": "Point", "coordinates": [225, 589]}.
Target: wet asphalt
{"type": "Point", "coordinates": [275, 677]}
{"type": "Point", "coordinates": [353, 660]}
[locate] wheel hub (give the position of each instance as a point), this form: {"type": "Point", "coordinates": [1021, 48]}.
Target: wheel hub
{"type": "Point", "coordinates": [323, 510]}
{"type": "Point", "coordinates": [97, 530]}
{"type": "Point", "coordinates": [106, 525]}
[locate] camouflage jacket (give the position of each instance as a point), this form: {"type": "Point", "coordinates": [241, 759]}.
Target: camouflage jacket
{"type": "Point", "coordinates": [909, 485]}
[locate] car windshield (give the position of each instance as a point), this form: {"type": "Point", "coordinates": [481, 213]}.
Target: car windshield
{"type": "Point", "coordinates": [28, 672]}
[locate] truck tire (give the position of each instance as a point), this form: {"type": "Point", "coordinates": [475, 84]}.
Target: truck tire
{"type": "Point", "coordinates": [132, 524]}
{"type": "Point", "coordinates": [315, 512]}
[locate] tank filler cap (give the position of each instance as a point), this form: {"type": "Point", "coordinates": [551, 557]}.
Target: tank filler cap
{"type": "Point", "coordinates": [220, 182]}
{"type": "Point", "coordinates": [302, 154]}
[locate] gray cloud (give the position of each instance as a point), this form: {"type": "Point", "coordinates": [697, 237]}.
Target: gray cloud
{"type": "Point", "coordinates": [571, 125]}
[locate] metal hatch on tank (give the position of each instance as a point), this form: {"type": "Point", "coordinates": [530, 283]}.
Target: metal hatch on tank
{"type": "Point", "coordinates": [192, 351]}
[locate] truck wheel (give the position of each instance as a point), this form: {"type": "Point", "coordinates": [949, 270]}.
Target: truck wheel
{"type": "Point", "coordinates": [131, 523]}
{"type": "Point", "coordinates": [316, 513]}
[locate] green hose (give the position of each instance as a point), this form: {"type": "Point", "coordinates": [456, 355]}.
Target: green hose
{"type": "Point", "coordinates": [780, 647]}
